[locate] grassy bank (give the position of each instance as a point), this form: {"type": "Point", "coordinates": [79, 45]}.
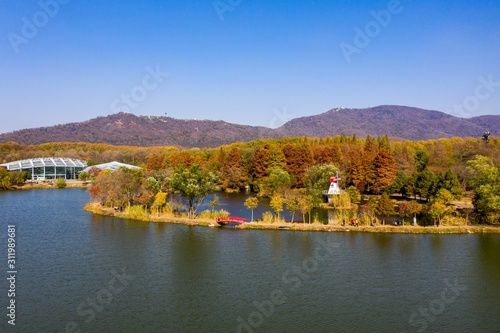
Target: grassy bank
{"type": "Point", "coordinates": [97, 209]}
{"type": "Point", "coordinates": [50, 184]}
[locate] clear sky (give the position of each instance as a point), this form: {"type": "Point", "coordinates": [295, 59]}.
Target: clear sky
{"type": "Point", "coordinates": [249, 62]}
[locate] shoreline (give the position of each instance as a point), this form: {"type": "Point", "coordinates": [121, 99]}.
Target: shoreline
{"type": "Point", "coordinates": [49, 184]}
{"type": "Point", "coordinates": [474, 229]}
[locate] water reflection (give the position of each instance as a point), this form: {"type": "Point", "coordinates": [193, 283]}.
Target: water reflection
{"type": "Point", "coordinates": [383, 241]}
{"type": "Point", "coordinates": [196, 279]}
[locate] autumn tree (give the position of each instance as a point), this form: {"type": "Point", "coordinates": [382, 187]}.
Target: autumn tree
{"type": "Point", "coordinates": [384, 207]}
{"type": "Point", "coordinates": [437, 209]}
{"type": "Point", "coordinates": [183, 158]}
{"type": "Point", "coordinates": [404, 210]}
{"type": "Point", "coordinates": [232, 174]}
{"type": "Point", "coordinates": [4, 179]}
{"type": "Point", "coordinates": [486, 184]}
{"type": "Point", "coordinates": [383, 142]}
{"type": "Point", "coordinates": [159, 202]}
{"type": "Point", "coordinates": [414, 207]}
{"type": "Point", "coordinates": [327, 154]}
{"type": "Point", "coordinates": [83, 176]}
{"type": "Point", "coordinates": [93, 172]}
{"type": "Point", "coordinates": [292, 202]}
{"type": "Point", "coordinates": [355, 168]}
{"type": "Point", "coordinates": [194, 185]}
{"type": "Point", "coordinates": [306, 203]}
{"type": "Point", "coordinates": [404, 156]}
{"type": "Point", "coordinates": [11, 178]}
{"type": "Point", "coordinates": [117, 189]}
{"type": "Point", "coordinates": [297, 158]}
{"type": "Point", "coordinates": [384, 170]}
{"type": "Point", "coordinates": [370, 153]}
{"type": "Point", "coordinates": [276, 204]}
{"type": "Point", "coordinates": [265, 158]}
{"type": "Point", "coordinates": [444, 196]}
{"type": "Point", "coordinates": [251, 203]}
{"type": "Point", "coordinates": [156, 162]}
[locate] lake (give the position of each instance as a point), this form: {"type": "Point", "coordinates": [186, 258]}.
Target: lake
{"type": "Point", "coordinates": [77, 272]}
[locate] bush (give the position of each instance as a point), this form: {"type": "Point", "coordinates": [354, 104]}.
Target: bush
{"type": "Point", "coordinates": [267, 217]}
{"type": "Point", "coordinates": [168, 210]}
{"type": "Point", "coordinates": [212, 215]}
{"type": "Point", "coordinates": [223, 213]}
{"type": "Point", "coordinates": [61, 183]}
{"type": "Point", "coordinates": [137, 213]}
{"type": "Point", "coordinates": [83, 176]}
{"type": "Point", "coordinates": [206, 215]}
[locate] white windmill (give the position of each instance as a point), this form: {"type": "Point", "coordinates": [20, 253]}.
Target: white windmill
{"type": "Point", "coordinates": [334, 188]}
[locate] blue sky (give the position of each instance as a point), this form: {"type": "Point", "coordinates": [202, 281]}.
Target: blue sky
{"type": "Point", "coordinates": [248, 62]}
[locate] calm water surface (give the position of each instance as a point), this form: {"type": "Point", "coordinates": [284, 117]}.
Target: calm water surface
{"type": "Point", "coordinates": [83, 273]}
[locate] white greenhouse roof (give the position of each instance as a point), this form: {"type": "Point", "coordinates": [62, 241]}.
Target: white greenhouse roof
{"type": "Point", "coordinates": [44, 162]}
{"type": "Point", "coordinates": [113, 166]}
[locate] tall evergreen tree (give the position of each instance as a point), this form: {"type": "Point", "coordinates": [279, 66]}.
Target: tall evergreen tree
{"type": "Point", "coordinates": [370, 152]}
{"type": "Point", "coordinates": [297, 159]}
{"type": "Point", "coordinates": [399, 184]}
{"type": "Point", "coordinates": [384, 207]}
{"type": "Point", "coordinates": [232, 172]}
{"type": "Point", "coordinates": [384, 170]}
{"type": "Point", "coordinates": [424, 184]}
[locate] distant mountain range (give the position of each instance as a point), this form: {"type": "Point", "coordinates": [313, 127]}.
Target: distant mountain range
{"type": "Point", "coordinates": [128, 129]}
{"type": "Point", "coordinates": [395, 121]}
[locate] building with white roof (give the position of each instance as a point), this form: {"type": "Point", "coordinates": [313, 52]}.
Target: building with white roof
{"type": "Point", "coordinates": [113, 166]}
{"type": "Point", "coordinates": [46, 168]}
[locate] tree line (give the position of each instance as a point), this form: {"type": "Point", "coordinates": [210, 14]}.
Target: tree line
{"type": "Point", "coordinates": [433, 172]}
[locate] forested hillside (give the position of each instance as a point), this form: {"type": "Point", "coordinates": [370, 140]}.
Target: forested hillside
{"type": "Point", "coordinates": [127, 129]}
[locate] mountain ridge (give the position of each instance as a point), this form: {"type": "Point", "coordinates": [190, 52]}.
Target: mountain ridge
{"type": "Point", "coordinates": [402, 122]}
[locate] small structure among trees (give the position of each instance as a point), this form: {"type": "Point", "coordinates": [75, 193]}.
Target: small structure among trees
{"type": "Point", "coordinates": [486, 136]}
